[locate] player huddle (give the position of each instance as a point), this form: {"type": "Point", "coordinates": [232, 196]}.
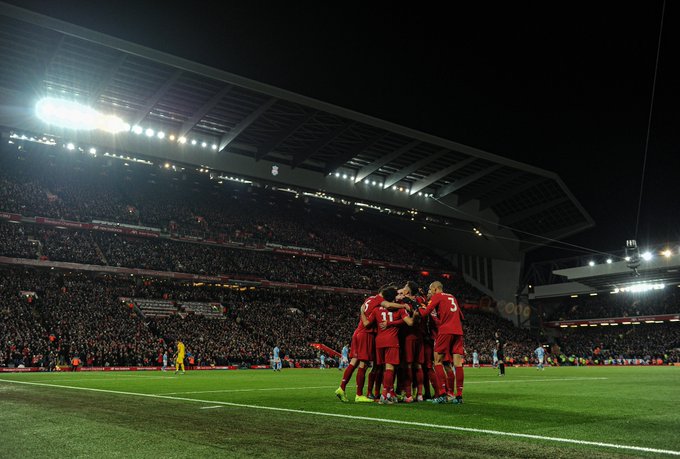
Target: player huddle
{"type": "Point", "coordinates": [410, 339]}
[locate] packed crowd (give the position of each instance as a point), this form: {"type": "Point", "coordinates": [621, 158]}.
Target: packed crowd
{"type": "Point", "coordinates": [665, 301]}
{"type": "Point", "coordinates": [81, 187]}
{"type": "Point", "coordinates": [59, 315]}
{"type": "Point", "coordinates": [48, 316]}
{"type": "Point", "coordinates": [100, 248]}
{"type": "Point", "coordinates": [644, 341]}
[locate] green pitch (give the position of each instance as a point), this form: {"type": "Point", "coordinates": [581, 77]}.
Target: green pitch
{"type": "Point", "coordinates": [294, 413]}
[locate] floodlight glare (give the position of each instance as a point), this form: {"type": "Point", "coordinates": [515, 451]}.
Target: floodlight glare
{"type": "Point", "coordinates": [64, 113]}
{"type": "Point", "coordinates": [149, 132]}
{"type": "Point", "coordinates": [70, 146]}
{"type": "Point", "coordinates": [591, 263]}
{"type": "Point", "coordinates": [112, 124]}
{"type": "Point", "coordinates": [667, 253]}
{"type": "Point", "coordinates": [647, 256]}
{"type": "Point", "coordinates": [182, 140]}
{"type": "Point", "coordinates": [161, 135]}
{"type": "Point", "coordinates": [609, 261]}
{"type": "Point", "coordinates": [137, 130]}
{"type": "Point", "coordinates": [73, 115]}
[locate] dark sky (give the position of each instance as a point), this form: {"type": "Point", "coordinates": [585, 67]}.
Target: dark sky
{"type": "Point", "coordinates": [565, 89]}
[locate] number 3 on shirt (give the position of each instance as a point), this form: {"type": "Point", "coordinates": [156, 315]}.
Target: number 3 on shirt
{"type": "Point", "coordinates": [384, 316]}
{"type": "Point", "coordinates": [454, 306]}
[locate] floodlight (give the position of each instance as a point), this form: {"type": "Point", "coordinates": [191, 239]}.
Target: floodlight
{"type": "Point", "coordinates": [73, 115]}
{"type": "Point", "coordinates": [112, 124]}
{"type": "Point", "coordinates": [67, 114]}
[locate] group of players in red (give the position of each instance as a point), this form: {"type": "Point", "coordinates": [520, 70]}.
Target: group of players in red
{"type": "Point", "coordinates": [421, 341]}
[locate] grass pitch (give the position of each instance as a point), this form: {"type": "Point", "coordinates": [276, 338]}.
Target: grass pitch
{"type": "Point", "coordinates": [602, 412]}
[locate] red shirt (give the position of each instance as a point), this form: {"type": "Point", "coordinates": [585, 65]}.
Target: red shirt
{"type": "Point", "coordinates": [388, 337]}
{"type": "Point", "coordinates": [369, 305]}
{"type": "Point", "coordinates": [448, 311]}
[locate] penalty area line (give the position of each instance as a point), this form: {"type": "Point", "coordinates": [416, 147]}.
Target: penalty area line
{"type": "Point", "coordinates": [364, 418]}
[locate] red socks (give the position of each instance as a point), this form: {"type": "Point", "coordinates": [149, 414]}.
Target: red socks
{"type": "Point", "coordinates": [440, 375]}
{"type": "Point", "coordinates": [371, 381]}
{"type": "Point", "coordinates": [388, 383]}
{"type": "Point", "coordinates": [346, 376]}
{"type": "Point", "coordinates": [419, 380]}
{"type": "Point", "coordinates": [361, 378]}
{"type": "Point", "coordinates": [460, 376]}
{"type": "Point", "coordinates": [450, 380]}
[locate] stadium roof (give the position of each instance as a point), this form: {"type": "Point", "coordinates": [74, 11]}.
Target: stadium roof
{"type": "Point", "coordinates": [254, 126]}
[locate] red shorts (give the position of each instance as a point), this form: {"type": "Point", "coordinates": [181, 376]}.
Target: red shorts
{"type": "Point", "coordinates": [412, 351]}
{"type": "Point", "coordinates": [363, 347]}
{"type": "Point", "coordinates": [385, 355]}
{"type": "Point", "coordinates": [428, 353]}
{"type": "Point", "coordinates": [449, 344]}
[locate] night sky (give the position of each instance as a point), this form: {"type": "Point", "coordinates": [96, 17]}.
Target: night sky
{"type": "Point", "coordinates": [567, 90]}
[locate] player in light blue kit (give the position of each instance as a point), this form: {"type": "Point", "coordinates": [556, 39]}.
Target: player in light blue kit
{"type": "Point", "coordinates": [540, 354]}
{"type": "Point", "coordinates": [475, 359]}
{"type": "Point", "coordinates": [344, 360]}
{"type": "Point", "coordinates": [495, 358]}
{"type": "Point", "coordinates": [322, 359]}
{"type": "Point", "coordinates": [165, 361]}
{"type": "Point", "coordinates": [276, 364]}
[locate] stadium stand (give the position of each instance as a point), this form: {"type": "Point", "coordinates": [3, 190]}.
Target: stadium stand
{"type": "Point", "coordinates": [152, 307]}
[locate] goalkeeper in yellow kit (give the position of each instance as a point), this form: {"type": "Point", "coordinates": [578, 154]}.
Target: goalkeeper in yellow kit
{"type": "Point", "coordinates": [179, 357]}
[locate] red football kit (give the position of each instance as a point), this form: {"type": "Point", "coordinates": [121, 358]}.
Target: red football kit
{"type": "Point", "coordinates": [387, 340]}
{"type": "Point", "coordinates": [450, 329]}
{"type": "Point", "coordinates": [363, 339]}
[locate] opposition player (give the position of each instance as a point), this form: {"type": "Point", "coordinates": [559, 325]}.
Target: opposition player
{"type": "Point", "coordinates": [500, 345]}
{"type": "Point", "coordinates": [179, 357]}
{"type": "Point", "coordinates": [540, 354]}
{"type": "Point", "coordinates": [322, 362]}
{"type": "Point", "coordinates": [495, 358]}
{"type": "Point", "coordinates": [449, 341]}
{"type": "Point", "coordinates": [344, 360]}
{"type": "Point", "coordinates": [165, 361]}
{"type": "Point", "coordinates": [387, 345]}
{"type": "Point", "coordinates": [475, 359]}
{"type": "Point", "coordinates": [362, 349]}
{"type": "Point", "coordinates": [276, 360]}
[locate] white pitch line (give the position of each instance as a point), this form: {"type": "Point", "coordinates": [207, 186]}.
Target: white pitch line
{"type": "Point", "coordinates": [117, 378]}
{"type": "Point", "coordinates": [210, 407]}
{"type": "Point", "coordinates": [367, 418]}
{"type": "Point", "coordinates": [248, 390]}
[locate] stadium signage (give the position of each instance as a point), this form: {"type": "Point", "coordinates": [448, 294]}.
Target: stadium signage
{"type": "Point", "coordinates": [10, 217]}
